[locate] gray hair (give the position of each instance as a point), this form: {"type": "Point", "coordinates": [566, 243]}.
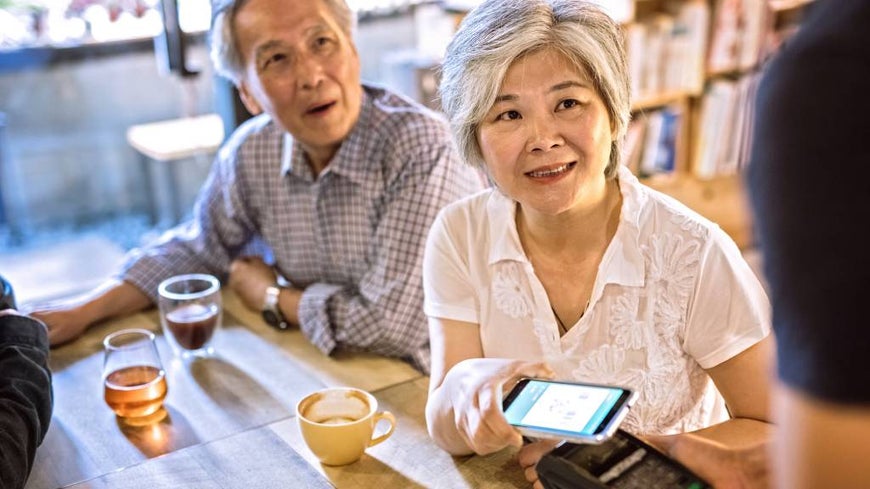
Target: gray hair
{"type": "Point", "coordinates": [228, 61]}
{"type": "Point", "coordinates": [498, 32]}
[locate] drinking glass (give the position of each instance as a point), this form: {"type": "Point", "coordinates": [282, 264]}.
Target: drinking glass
{"type": "Point", "coordinates": [133, 378]}
{"type": "Point", "coordinates": [190, 312]}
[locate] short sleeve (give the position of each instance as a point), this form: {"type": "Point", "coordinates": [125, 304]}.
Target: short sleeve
{"type": "Point", "coordinates": [729, 311]}
{"type": "Point", "coordinates": [449, 293]}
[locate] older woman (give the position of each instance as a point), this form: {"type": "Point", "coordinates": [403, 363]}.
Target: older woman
{"type": "Point", "coordinates": [569, 267]}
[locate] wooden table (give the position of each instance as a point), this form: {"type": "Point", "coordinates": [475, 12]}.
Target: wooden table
{"type": "Point", "coordinates": [230, 421]}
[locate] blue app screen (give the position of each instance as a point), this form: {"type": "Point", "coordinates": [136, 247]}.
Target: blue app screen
{"type": "Point", "coordinates": [562, 407]}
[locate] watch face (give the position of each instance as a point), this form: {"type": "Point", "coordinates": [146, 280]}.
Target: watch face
{"type": "Point", "coordinates": [274, 320]}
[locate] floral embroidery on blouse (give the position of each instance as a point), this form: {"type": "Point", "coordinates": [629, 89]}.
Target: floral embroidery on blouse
{"type": "Point", "coordinates": [509, 291]}
{"type": "Point", "coordinates": [646, 328]}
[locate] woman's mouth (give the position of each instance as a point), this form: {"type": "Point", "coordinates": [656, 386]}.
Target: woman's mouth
{"type": "Point", "coordinates": [551, 172]}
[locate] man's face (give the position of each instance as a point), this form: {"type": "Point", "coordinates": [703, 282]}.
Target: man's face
{"type": "Point", "coordinates": [301, 69]}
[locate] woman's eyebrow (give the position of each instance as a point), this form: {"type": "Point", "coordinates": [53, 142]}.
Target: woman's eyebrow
{"type": "Point", "coordinates": [555, 88]}
{"type": "Point", "coordinates": [568, 84]}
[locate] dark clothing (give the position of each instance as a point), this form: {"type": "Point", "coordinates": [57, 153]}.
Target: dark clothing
{"type": "Point", "coordinates": [25, 396]}
{"type": "Point", "coordinates": [809, 182]}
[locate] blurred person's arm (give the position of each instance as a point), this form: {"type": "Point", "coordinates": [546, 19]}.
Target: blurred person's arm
{"type": "Point", "coordinates": [25, 395]}
{"type": "Point", "coordinates": [820, 444]}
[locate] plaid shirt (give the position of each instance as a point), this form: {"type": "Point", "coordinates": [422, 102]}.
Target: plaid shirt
{"type": "Point", "coordinates": [352, 237]}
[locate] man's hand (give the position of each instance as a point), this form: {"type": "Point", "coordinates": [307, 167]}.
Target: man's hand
{"type": "Point", "coordinates": [64, 323]}
{"type": "Point", "coordinates": [249, 278]}
{"type": "Point", "coordinates": [722, 466]}
{"type": "Point", "coordinates": [529, 456]}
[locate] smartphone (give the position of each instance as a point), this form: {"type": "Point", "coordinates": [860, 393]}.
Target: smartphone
{"type": "Point", "coordinates": [572, 411]}
{"type": "Point", "coordinates": [621, 462]}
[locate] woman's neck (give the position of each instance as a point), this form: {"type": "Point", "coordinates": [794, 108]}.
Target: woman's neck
{"type": "Point", "coordinates": [575, 231]}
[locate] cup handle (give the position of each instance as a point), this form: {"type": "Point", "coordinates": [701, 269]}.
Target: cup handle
{"type": "Point", "coordinates": [377, 418]}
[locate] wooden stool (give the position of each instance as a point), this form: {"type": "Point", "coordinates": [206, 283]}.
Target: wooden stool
{"type": "Point", "coordinates": [171, 141]}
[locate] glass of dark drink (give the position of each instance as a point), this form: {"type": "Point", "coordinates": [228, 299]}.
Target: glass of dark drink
{"type": "Point", "coordinates": [190, 312]}
{"type": "Point", "coordinates": [134, 381]}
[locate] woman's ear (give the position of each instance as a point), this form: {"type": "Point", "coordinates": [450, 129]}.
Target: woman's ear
{"type": "Point", "coordinates": [248, 100]}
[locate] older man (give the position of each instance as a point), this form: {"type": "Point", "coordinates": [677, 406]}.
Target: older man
{"type": "Point", "coordinates": [340, 179]}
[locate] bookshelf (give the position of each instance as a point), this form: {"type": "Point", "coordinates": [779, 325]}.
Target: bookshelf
{"type": "Point", "coordinates": [694, 68]}
{"type": "Point", "coordinates": [708, 55]}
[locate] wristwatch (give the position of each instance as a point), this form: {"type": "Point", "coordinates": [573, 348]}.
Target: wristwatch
{"type": "Point", "coordinates": [271, 312]}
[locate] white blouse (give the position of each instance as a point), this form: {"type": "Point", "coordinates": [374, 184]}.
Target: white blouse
{"type": "Point", "coordinates": [673, 296]}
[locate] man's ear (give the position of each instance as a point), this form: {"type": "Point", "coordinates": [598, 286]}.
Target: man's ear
{"type": "Point", "coordinates": [248, 100]}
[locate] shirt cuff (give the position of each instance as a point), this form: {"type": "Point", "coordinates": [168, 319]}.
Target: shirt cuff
{"type": "Point", "coordinates": [314, 315]}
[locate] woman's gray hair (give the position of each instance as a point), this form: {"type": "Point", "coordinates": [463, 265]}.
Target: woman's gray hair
{"type": "Point", "coordinates": [498, 32]}
{"type": "Point", "coordinates": [225, 56]}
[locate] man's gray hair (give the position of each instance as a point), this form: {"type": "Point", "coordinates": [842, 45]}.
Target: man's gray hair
{"type": "Point", "coordinates": [498, 32]}
{"type": "Point", "coordinates": [225, 56]}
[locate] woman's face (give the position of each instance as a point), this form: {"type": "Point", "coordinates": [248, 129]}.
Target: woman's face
{"type": "Point", "coordinates": [547, 138]}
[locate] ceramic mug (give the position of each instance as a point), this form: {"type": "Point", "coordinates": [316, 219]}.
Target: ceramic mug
{"type": "Point", "coordinates": [338, 424]}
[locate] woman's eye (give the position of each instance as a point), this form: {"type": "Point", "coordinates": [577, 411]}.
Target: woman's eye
{"type": "Point", "coordinates": [509, 115]}
{"type": "Point", "coordinates": [569, 103]}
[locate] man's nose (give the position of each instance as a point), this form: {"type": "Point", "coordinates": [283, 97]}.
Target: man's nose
{"type": "Point", "coordinates": [309, 72]}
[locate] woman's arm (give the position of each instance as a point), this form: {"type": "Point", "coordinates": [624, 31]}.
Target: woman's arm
{"type": "Point", "coordinates": [734, 453]}
{"type": "Point", "coordinates": [463, 412]}
{"type": "Point", "coordinates": [745, 383]}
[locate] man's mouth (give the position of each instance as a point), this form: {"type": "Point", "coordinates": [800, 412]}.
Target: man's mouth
{"type": "Point", "coordinates": [319, 109]}
{"type": "Point", "coordinates": [552, 172]}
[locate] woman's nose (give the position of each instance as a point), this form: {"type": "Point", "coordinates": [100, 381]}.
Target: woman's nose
{"type": "Point", "coordinates": [543, 136]}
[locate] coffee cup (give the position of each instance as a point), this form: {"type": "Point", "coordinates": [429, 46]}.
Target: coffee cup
{"type": "Point", "coordinates": [338, 424]}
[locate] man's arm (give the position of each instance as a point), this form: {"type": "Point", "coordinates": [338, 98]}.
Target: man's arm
{"type": "Point", "coordinates": [25, 395]}
{"type": "Point", "coordinates": [383, 313]}
{"type": "Point", "coordinates": [68, 320]}
{"type": "Point", "coordinates": [220, 227]}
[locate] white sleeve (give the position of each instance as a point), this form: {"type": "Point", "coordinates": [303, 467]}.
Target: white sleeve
{"type": "Point", "coordinates": [449, 293]}
{"type": "Point", "coordinates": [730, 310]}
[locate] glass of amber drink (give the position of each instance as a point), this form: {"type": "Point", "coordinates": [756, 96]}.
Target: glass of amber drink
{"type": "Point", "coordinates": [133, 377]}
{"type": "Point", "coordinates": [190, 312]}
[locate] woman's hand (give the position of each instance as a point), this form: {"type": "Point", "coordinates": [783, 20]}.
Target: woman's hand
{"type": "Point", "coordinates": [474, 390]}
{"type": "Point", "coordinates": [722, 466]}
{"type": "Point", "coordinates": [249, 278]}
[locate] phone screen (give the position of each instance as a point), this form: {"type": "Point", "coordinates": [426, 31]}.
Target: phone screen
{"type": "Point", "coordinates": [563, 407]}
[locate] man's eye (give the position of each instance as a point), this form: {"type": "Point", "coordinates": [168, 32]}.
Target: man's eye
{"type": "Point", "coordinates": [322, 42]}
{"type": "Point", "coordinates": [509, 115]}
{"type": "Point", "coordinates": [275, 58]}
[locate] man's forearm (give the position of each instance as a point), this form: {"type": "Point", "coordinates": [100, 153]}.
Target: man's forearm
{"type": "Point", "coordinates": [114, 299]}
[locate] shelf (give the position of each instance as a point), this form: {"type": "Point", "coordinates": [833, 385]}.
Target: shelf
{"type": "Point", "coordinates": [783, 5]}
{"type": "Point", "coordinates": [650, 101]}
{"type": "Point", "coordinates": [721, 199]}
